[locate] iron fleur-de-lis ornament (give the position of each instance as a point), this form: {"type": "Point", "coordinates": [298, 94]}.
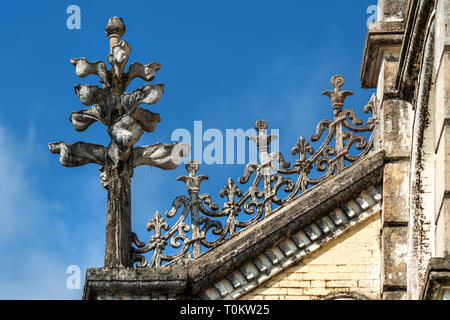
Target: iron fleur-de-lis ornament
{"type": "Point", "coordinates": [337, 96]}
{"type": "Point", "coordinates": [192, 181]}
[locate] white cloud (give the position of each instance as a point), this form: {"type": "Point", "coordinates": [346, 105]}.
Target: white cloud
{"type": "Point", "coordinates": [35, 243]}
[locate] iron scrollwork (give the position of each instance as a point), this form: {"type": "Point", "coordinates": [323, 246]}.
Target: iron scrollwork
{"type": "Point", "coordinates": [265, 177]}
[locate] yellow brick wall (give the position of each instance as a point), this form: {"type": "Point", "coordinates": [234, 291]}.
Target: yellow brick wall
{"type": "Point", "coordinates": [350, 263]}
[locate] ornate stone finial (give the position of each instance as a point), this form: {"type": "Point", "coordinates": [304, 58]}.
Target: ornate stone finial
{"type": "Point", "coordinates": [337, 96]}
{"type": "Point", "coordinates": [192, 181]}
{"type": "Point", "coordinates": [262, 140]}
{"type": "Point", "coordinates": [126, 122]}
{"type": "Point", "coordinates": [115, 29]}
{"type": "Point", "coordinates": [337, 82]}
{"type": "Point", "coordinates": [261, 125]}
{"type": "Point", "coordinates": [192, 167]}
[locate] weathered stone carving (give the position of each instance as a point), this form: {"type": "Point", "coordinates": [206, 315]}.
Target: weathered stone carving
{"type": "Point", "coordinates": [266, 188]}
{"type": "Point", "coordinates": [126, 122]}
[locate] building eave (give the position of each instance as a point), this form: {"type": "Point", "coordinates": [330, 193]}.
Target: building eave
{"type": "Point", "coordinates": [380, 36]}
{"type": "Point", "coordinates": [437, 278]}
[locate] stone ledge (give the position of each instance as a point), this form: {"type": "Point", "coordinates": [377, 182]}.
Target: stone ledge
{"type": "Point", "coordinates": [437, 277]}
{"type": "Point", "coordinates": [160, 281]}
{"type": "Point", "coordinates": [379, 35]}
{"type": "Point", "coordinates": [394, 295]}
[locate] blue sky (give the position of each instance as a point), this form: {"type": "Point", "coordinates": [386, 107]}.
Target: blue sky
{"type": "Point", "coordinates": [225, 63]}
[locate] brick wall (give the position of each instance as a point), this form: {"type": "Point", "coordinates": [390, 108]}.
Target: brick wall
{"type": "Point", "coordinates": [349, 264]}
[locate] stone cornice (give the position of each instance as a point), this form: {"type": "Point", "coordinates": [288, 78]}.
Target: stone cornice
{"type": "Point", "coordinates": [438, 276]}
{"type": "Point", "coordinates": [380, 35]}
{"type": "Point", "coordinates": [161, 283]}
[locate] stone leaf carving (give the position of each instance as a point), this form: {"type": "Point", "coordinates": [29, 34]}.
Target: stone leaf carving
{"type": "Point", "coordinates": [147, 119]}
{"type": "Point", "coordinates": [107, 102]}
{"type": "Point", "coordinates": [160, 155]}
{"type": "Point", "coordinates": [126, 132]}
{"type": "Point", "coordinates": [85, 68]}
{"type": "Point", "coordinates": [78, 154]}
{"type": "Point", "coordinates": [119, 57]}
{"type": "Point", "coordinates": [106, 105]}
{"type": "Point", "coordinates": [148, 94]}
{"type": "Point", "coordinates": [88, 94]}
{"type": "Point", "coordinates": [82, 119]}
{"type": "Point", "coordinates": [146, 72]}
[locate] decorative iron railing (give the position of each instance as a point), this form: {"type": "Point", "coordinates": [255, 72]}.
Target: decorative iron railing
{"type": "Point", "coordinates": [330, 158]}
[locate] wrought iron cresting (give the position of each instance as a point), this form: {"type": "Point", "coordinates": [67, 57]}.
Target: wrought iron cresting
{"type": "Point", "coordinates": [341, 137]}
